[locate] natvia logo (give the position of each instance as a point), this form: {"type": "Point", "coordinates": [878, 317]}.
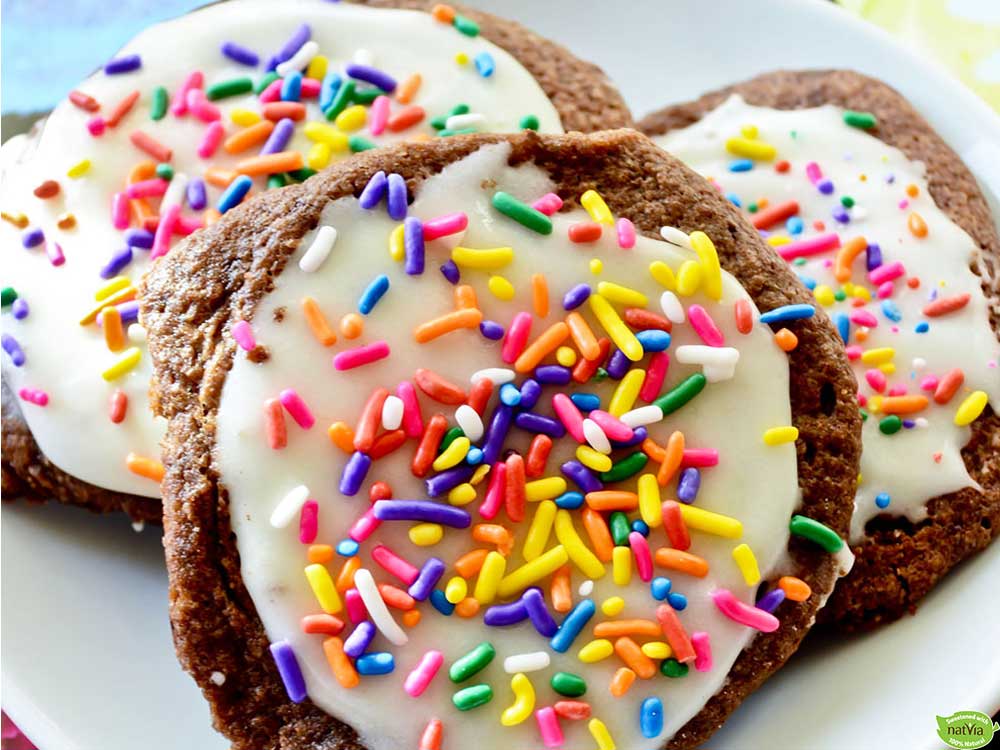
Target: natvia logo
{"type": "Point", "coordinates": [966, 730]}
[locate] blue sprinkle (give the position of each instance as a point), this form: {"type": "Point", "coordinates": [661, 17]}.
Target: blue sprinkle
{"type": "Point", "coordinates": [922, 327]}
{"type": "Point", "coordinates": [474, 457]}
{"type": "Point", "coordinates": [843, 326]}
{"type": "Point", "coordinates": [572, 624]}
{"type": "Point", "coordinates": [677, 601]}
{"type": "Point", "coordinates": [440, 602]}
{"type": "Point", "coordinates": [509, 394]}
{"type": "Point", "coordinates": [795, 225]}
{"type": "Point", "coordinates": [570, 500]}
{"type": "Point", "coordinates": [641, 526]}
{"type": "Point", "coordinates": [328, 90]}
{"type": "Point", "coordinates": [586, 401]}
{"type": "Point", "coordinates": [659, 587]}
{"type": "Point", "coordinates": [373, 293]}
{"type": "Point", "coordinates": [808, 281]}
{"type": "Point", "coordinates": [740, 165]}
{"type": "Point", "coordinates": [491, 330]}
{"type": "Point", "coordinates": [882, 500]}
{"type": "Point", "coordinates": [233, 194]}
{"type": "Point", "coordinates": [653, 340]}
{"type": "Point", "coordinates": [891, 310]}
{"type": "Point", "coordinates": [734, 199]}
{"type": "Point", "coordinates": [291, 87]}
{"type": "Point", "coordinates": [484, 64]}
{"type": "Point", "coordinates": [347, 548]}
{"type": "Point", "coordinates": [380, 662]}
{"type": "Point", "coordinates": [449, 269]}
{"type": "Point", "coordinates": [651, 717]}
{"type": "Point", "coordinates": [788, 312]}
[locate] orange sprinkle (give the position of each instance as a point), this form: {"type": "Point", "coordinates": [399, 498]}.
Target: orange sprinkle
{"type": "Point", "coordinates": [140, 211]}
{"type": "Point", "coordinates": [342, 436]}
{"type": "Point", "coordinates": [320, 553]}
{"type": "Point", "coordinates": [66, 221]}
{"type": "Point", "coordinates": [219, 177]}
{"type": "Point", "coordinates": [562, 595]}
{"type": "Point", "coordinates": [916, 224]}
{"type": "Point", "coordinates": [145, 467]}
{"type": "Point", "coordinates": [494, 533]}
{"type": "Point", "coordinates": [912, 190]}
{"type": "Point", "coordinates": [653, 449]}
{"type": "Point", "coordinates": [121, 109]}
{"type": "Point", "coordinates": [143, 170]}
{"type": "Point", "coordinates": [345, 576]}
{"type": "Point", "coordinates": [443, 13]}
{"type": "Point", "coordinates": [544, 345]}
{"type": "Point", "coordinates": [322, 624]}
{"type": "Point", "coordinates": [630, 653]}
{"type": "Point", "coordinates": [945, 305]}
{"type": "Point", "coordinates": [673, 455]}
{"type": "Point", "coordinates": [685, 562]}
{"type": "Point", "coordinates": [395, 597]}
{"type": "Point", "coordinates": [674, 632]}
{"type": "Point", "coordinates": [583, 336]}
{"type": "Point", "coordinates": [465, 297]}
{"type": "Point", "coordinates": [411, 618]}
{"type": "Point", "coordinates": [283, 161]}
{"type": "Point", "coordinates": [317, 322]}
{"type": "Point", "coordinates": [352, 325]}
{"type": "Point", "coordinates": [612, 500]}
{"type": "Point", "coordinates": [431, 737]}
{"type": "Point", "coordinates": [281, 110]}
{"type": "Point", "coordinates": [249, 137]}
{"type": "Point", "coordinates": [340, 664]}
{"type": "Point", "coordinates": [540, 295]}
{"type": "Point", "coordinates": [619, 628]}
{"type": "Point", "coordinates": [786, 340]}
{"type": "Point", "coordinates": [468, 607]}
{"type": "Point", "coordinates": [405, 118]}
{"type": "Point", "coordinates": [466, 318]}
{"type": "Point", "coordinates": [600, 537]}
{"type": "Point", "coordinates": [861, 334]}
{"type": "Point", "coordinates": [795, 589]}
{"type": "Point", "coordinates": [150, 145]}
{"type": "Point", "coordinates": [470, 563]}
{"type": "Point", "coordinates": [845, 257]}
{"type": "Point", "coordinates": [408, 89]}
{"type": "Point", "coordinates": [621, 681]}
{"type": "Point", "coordinates": [210, 216]}
{"type": "Point", "coordinates": [903, 404]}
{"type": "Point", "coordinates": [114, 333]}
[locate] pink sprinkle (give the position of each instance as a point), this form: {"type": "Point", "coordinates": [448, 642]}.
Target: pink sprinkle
{"type": "Point", "coordinates": [201, 107]}
{"type": "Point", "coordinates": [119, 211]}
{"type": "Point", "coordinates": [626, 233]}
{"type": "Point", "coordinates": [272, 93]}
{"type": "Point", "coordinates": [516, 338]}
{"type": "Point", "coordinates": [147, 188]}
{"type": "Point", "coordinates": [569, 415]}
{"type": "Point", "coordinates": [643, 558]}
{"type": "Point", "coordinates": [548, 727]}
{"type": "Point", "coordinates": [743, 613]}
{"type": "Point", "coordinates": [495, 491]}
{"type": "Point", "coordinates": [418, 680]}
{"type": "Point", "coordinates": [864, 318]}
{"type": "Point", "coordinates": [185, 225]}
{"type": "Point", "coordinates": [362, 355]}
{"type": "Point", "coordinates": [862, 400]}
{"type": "Point", "coordinates": [897, 390]}
{"type": "Point", "coordinates": [813, 172]}
{"type": "Point", "coordinates": [613, 427]}
{"type": "Point", "coordinates": [35, 396]}
{"type": "Point", "coordinates": [356, 609]}
{"type": "Point", "coordinates": [394, 564]}
{"type": "Point", "coordinates": [413, 420]}
{"type": "Point", "coordinates": [243, 334]}
{"type": "Point", "coordinates": [442, 226]}
{"type": "Point", "coordinates": [55, 253]}
{"type": "Point", "coordinates": [161, 240]}
{"type": "Point", "coordinates": [700, 457]}
{"type": "Point", "coordinates": [195, 80]}
{"type": "Point", "coordinates": [930, 383]}
{"type": "Point", "coordinates": [821, 243]}
{"type": "Point", "coordinates": [704, 326]}
{"type": "Point", "coordinates": [364, 527]}
{"type": "Point", "coordinates": [548, 204]}
{"type": "Point", "coordinates": [876, 379]}
{"type": "Point", "coordinates": [887, 272]}
{"type": "Point", "coordinates": [702, 651]}
{"type": "Point", "coordinates": [297, 408]}
{"type": "Point", "coordinates": [96, 126]}
{"type": "Point", "coordinates": [904, 204]}
{"type": "Point", "coordinates": [211, 139]}
{"type": "Point", "coordinates": [310, 88]}
{"type": "Point", "coordinates": [853, 352]}
{"type": "Point", "coordinates": [308, 521]}
{"type": "Point", "coordinates": [378, 115]}
{"type": "Point", "coordinates": [885, 290]}
{"type": "Point", "coordinates": [659, 363]}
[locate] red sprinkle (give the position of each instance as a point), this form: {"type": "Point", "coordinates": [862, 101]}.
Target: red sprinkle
{"type": "Point", "coordinates": [585, 368]}
{"type": "Point", "coordinates": [405, 118]}
{"type": "Point", "coordinates": [768, 217]}
{"type": "Point", "coordinates": [48, 189]}
{"type": "Point", "coordinates": [948, 386]}
{"type": "Point", "coordinates": [514, 494]}
{"type": "Point", "coordinates": [744, 316]}
{"type": "Point", "coordinates": [274, 416]}
{"type": "Point", "coordinates": [538, 454]}
{"type": "Point", "coordinates": [150, 145]}
{"type": "Point", "coordinates": [439, 389]}
{"type": "Point", "coordinates": [118, 406]}
{"type": "Point", "coordinates": [121, 109]}
{"type": "Point", "coordinates": [386, 443]}
{"type": "Point", "coordinates": [945, 305]}
{"type": "Point", "coordinates": [585, 231]}
{"type": "Point", "coordinates": [369, 421]}
{"type": "Point", "coordinates": [479, 395]}
{"type": "Point", "coordinates": [645, 320]}
{"type": "Point", "coordinates": [84, 101]}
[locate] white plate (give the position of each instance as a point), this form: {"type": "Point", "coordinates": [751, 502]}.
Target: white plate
{"type": "Point", "coordinates": [87, 658]}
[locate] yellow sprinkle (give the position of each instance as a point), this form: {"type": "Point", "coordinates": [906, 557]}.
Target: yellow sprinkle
{"type": "Point", "coordinates": [875, 403]}
{"type": "Point", "coordinates": [461, 58]}
{"type": "Point", "coordinates": [888, 368]}
{"type": "Point", "coordinates": [490, 576]}
{"type": "Point", "coordinates": [317, 67]}
{"type": "Point", "coordinates": [524, 701]}
{"type": "Point", "coordinates": [778, 240]}
{"type": "Point", "coordinates": [531, 572]}
{"type": "Point", "coordinates": [657, 650]}
{"type": "Point", "coordinates": [502, 289]}
{"type": "Point", "coordinates": [627, 391]}
{"type": "Point", "coordinates": [650, 508]}
{"type": "Point", "coordinates": [601, 735]}
{"type": "Point", "coordinates": [110, 287]}
{"type": "Point", "coordinates": [397, 249]}
{"type": "Point", "coordinates": [596, 266]}
{"type": "Point", "coordinates": [878, 356]}
{"type": "Point", "coordinates": [749, 131]}
{"type": "Point", "coordinates": [463, 494]}
{"type": "Point", "coordinates": [593, 459]}
{"type": "Point", "coordinates": [79, 169]}
{"type": "Point", "coordinates": [453, 454]}
{"type": "Point", "coordinates": [595, 651]}
{"type": "Point", "coordinates": [122, 295]}
{"type": "Point", "coordinates": [751, 149]}
{"type": "Point", "coordinates": [426, 534]}
{"type": "Point", "coordinates": [623, 295]}
{"type": "Point", "coordinates": [595, 206]}
{"type": "Point", "coordinates": [711, 523]}
{"type": "Point", "coordinates": [479, 474]}
{"type": "Point", "coordinates": [566, 356]}
{"type": "Point", "coordinates": [351, 119]}
{"type": "Point", "coordinates": [747, 563]}
{"type": "Point", "coordinates": [577, 551]}
{"type": "Point", "coordinates": [711, 270]}
{"type": "Point", "coordinates": [544, 489]}
{"type": "Point", "coordinates": [244, 117]}
{"type": "Point", "coordinates": [663, 275]}
{"type": "Point", "coordinates": [862, 292]}
{"type": "Point", "coordinates": [689, 278]}
{"type": "Point", "coordinates": [538, 532]}
{"type": "Point", "coordinates": [824, 295]}
{"type": "Point", "coordinates": [318, 156]}
{"type": "Point", "coordinates": [621, 565]}
{"type": "Point", "coordinates": [780, 435]}
{"type": "Point", "coordinates": [125, 362]}
{"type": "Point", "coordinates": [322, 132]}
{"type": "Point", "coordinates": [17, 218]}
{"type": "Point", "coordinates": [613, 606]}
{"type": "Point", "coordinates": [456, 589]}
{"type": "Point", "coordinates": [619, 332]}
{"type": "Point", "coordinates": [323, 589]}
{"type": "Point", "coordinates": [971, 408]}
{"type": "Point", "coordinates": [489, 259]}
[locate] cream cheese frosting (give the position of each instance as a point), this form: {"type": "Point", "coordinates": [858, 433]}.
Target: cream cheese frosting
{"type": "Point", "coordinates": [848, 184]}
{"type": "Point", "coordinates": [64, 359]}
{"type": "Point", "coordinates": [753, 482]}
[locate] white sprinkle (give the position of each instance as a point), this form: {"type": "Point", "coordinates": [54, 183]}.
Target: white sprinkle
{"type": "Point", "coordinates": [499, 375]}
{"type": "Point", "coordinates": [136, 333]}
{"type": "Point", "coordinates": [318, 251]}
{"type": "Point", "coordinates": [533, 661]}
{"type": "Point", "coordinates": [289, 506]}
{"type": "Point", "coordinates": [718, 373]}
{"type": "Point", "coordinates": [377, 610]}
{"type": "Point", "coordinates": [642, 416]}
{"type": "Point", "coordinates": [299, 60]}
{"type": "Point", "coordinates": [919, 363]}
{"type": "Point", "coordinates": [594, 435]}
{"type": "Point", "coordinates": [392, 413]}
{"type": "Point", "coordinates": [858, 214]}
{"type": "Point", "coordinates": [470, 422]}
{"type": "Point", "coordinates": [672, 307]}
{"type": "Point", "coordinates": [845, 560]}
{"type": "Point", "coordinates": [675, 236]}
{"type": "Point", "coordinates": [921, 422]}
{"type": "Point", "coordinates": [586, 588]}
{"type": "Point", "coordinates": [217, 678]}
{"type": "Point", "coordinates": [696, 354]}
{"type": "Point", "coordinates": [468, 120]}
{"type": "Point", "coordinates": [175, 192]}
{"type": "Point", "coordinates": [364, 57]}
{"type": "Point", "coordinates": [138, 526]}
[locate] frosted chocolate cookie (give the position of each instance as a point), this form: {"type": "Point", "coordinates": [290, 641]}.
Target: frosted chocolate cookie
{"type": "Point", "coordinates": [880, 218]}
{"type": "Point", "coordinates": [560, 481]}
{"type": "Point", "coordinates": [189, 118]}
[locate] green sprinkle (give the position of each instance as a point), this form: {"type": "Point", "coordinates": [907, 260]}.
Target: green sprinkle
{"type": "Point", "coordinates": [752, 208]}
{"type": "Point", "coordinates": [864, 415]}
{"type": "Point", "coordinates": [522, 213]}
{"type": "Point", "coordinates": [627, 467]}
{"type": "Point", "coordinates": [158, 109]}
{"type": "Point", "coordinates": [816, 532]}
{"type": "Point", "coordinates": [890, 425]}
{"type": "Point", "coordinates": [473, 662]}
{"type": "Point", "coordinates": [440, 121]}
{"type": "Point", "coordinates": [799, 262]}
{"type": "Point", "coordinates": [620, 528]}
{"type": "Point", "coordinates": [840, 295]}
{"type": "Point", "coordinates": [460, 131]}
{"type": "Point", "coordinates": [681, 393]}
{"type": "Point", "coordinates": [466, 25]}
{"type": "Point", "coordinates": [264, 82]}
{"type": "Point", "coordinates": [366, 96]}
{"type": "Point", "coordinates": [450, 437]}
{"type": "Point", "coordinates": [472, 697]}
{"type": "Point", "coordinates": [359, 143]}
{"type": "Point", "coordinates": [529, 122]}
{"type": "Point", "coordinates": [863, 120]}
{"type": "Point", "coordinates": [301, 175]}
{"type": "Point", "coordinates": [225, 89]}
{"type": "Point", "coordinates": [340, 101]}
{"type": "Point", "coordinates": [568, 684]}
{"type": "Point", "coordinates": [7, 296]}
{"type": "Point", "coordinates": [673, 668]}
{"type": "Point", "coordinates": [847, 201]}
{"type": "Point", "coordinates": [276, 181]}
{"type": "Point", "coordinates": [601, 374]}
{"type": "Point", "coordinates": [164, 171]}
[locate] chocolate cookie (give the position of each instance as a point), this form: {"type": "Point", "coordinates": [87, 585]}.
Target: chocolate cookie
{"type": "Point", "coordinates": [156, 129]}
{"type": "Point", "coordinates": [241, 339]}
{"type": "Point", "coordinates": [930, 242]}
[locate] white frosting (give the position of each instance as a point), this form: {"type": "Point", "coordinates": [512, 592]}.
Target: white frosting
{"type": "Point", "coordinates": [65, 359]}
{"type": "Point", "coordinates": [753, 482]}
{"type": "Point", "coordinates": [902, 465]}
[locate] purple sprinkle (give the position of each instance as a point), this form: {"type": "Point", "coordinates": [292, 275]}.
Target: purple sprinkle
{"type": "Point", "coordinates": [909, 424]}
{"type": "Point", "coordinates": [531, 391]}
{"type": "Point", "coordinates": [539, 614]}
{"type": "Point", "coordinates": [491, 330]}
{"type": "Point", "coordinates": [279, 137]}
{"type": "Point", "coordinates": [840, 215]}
{"type": "Point", "coordinates": [371, 75]}
{"type": "Point", "coordinates": [688, 484]}
{"type": "Point", "coordinates": [873, 256]}
{"type": "Point", "coordinates": [890, 178]}
{"type": "Point", "coordinates": [532, 422]}
{"type": "Point", "coordinates": [770, 601]}
{"type": "Point", "coordinates": [13, 348]}
{"type": "Point", "coordinates": [32, 237]}
{"type": "Point", "coordinates": [427, 579]}
{"type": "Point", "coordinates": [582, 476]}
{"type": "Point", "coordinates": [449, 269]}
{"type": "Point", "coordinates": [825, 186]}
{"type": "Point", "coordinates": [496, 433]}
{"type": "Point", "coordinates": [20, 308]}
{"type": "Point", "coordinates": [288, 668]}
{"type": "Point", "coordinates": [118, 261]}
{"type": "Point", "coordinates": [449, 479]}
{"type": "Point", "coordinates": [553, 374]}
{"type": "Point", "coordinates": [360, 639]}
{"type": "Point", "coordinates": [413, 242]}
{"type": "Point", "coordinates": [239, 53]}
{"type": "Point", "coordinates": [141, 238]}
{"type": "Point", "coordinates": [123, 65]}
{"type": "Point", "coordinates": [421, 510]}
{"type": "Point", "coordinates": [638, 435]}
{"type": "Point", "coordinates": [501, 615]}
{"type": "Point", "coordinates": [618, 365]}
{"type": "Point", "coordinates": [396, 202]}
{"type": "Point", "coordinates": [576, 296]}
{"type": "Point", "coordinates": [272, 63]}
{"type": "Point", "coordinates": [196, 197]}
{"type": "Point", "coordinates": [374, 191]}
{"type": "Point", "coordinates": [355, 471]}
{"type": "Point", "coordinates": [295, 41]}
{"type": "Point", "coordinates": [129, 312]}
